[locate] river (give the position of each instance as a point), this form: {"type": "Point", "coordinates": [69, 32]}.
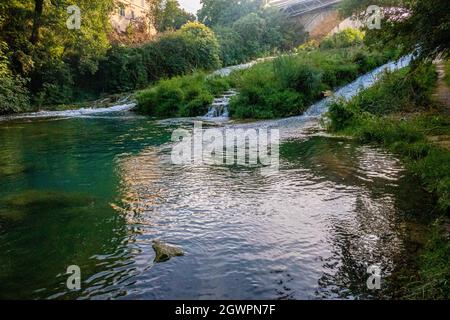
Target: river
{"type": "Point", "coordinates": [94, 189]}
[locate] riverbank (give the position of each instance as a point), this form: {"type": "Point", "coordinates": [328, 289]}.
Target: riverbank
{"type": "Point", "coordinates": [400, 114]}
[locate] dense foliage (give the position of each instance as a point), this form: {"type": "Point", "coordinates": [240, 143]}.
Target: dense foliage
{"type": "Point", "coordinates": [192, 47]}
{"type": "Point", "coordinates": [402, 91]}
{"type": "Point", "coordinates": [43, 49]}
{"type": "Point", "coordinates": [13, 94]}
{"type": "Point", "coordinates": [168, 15]}
{"type": "Point", "coordinates": [67, 66]}
{"type": "Point", "coordinates": [419, 26]}
{"type": "Point", "coordinates": [287, 85]}
{"type": "Point", "coordinates": [247, 29]}
{"type": "Point", "coordinates": [181, 96]}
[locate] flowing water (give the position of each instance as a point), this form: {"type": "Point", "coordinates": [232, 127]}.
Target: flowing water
{"type": "Point", "coordinates": [96, 189]}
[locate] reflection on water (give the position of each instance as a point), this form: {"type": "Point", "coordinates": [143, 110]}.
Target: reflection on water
{"type": "Point", "coordinates": [97, 192]}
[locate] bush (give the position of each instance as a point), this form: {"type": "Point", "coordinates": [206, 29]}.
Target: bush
{"type": "Point", "coordinates": [282, 87]}
{"type": "Point", "coordinates": [231, 46]}
{"type": "Point", "coordinates": [183, 96]}
{"type": "Point", "coordinates": [404, 91]}
{"type": "Point", "coordinates": [203, 45]}
{"type": "Point", "coordinates": [256, 34]}
{"type": "Point", "coordinates": [344, 39]}
{"type": "Point", "coordinates": [52, 83]}
{"type": "Point", "coordinates": [341, 115]}
{"type": "Point", "coordinates": [369, 60]}
{"type": "Point", "coordinates": [14, 97]}
{"type": "Point", "coordinates": [192, 47]}
{"type": "Point", "coordinates": [287, 85]}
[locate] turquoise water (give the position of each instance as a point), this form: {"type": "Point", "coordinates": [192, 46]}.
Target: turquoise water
{"type": "Point", "coordinates": [95, 192]}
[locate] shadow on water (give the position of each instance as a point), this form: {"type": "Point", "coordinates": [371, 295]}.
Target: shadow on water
{"type": "Point", "coordinates": [383, 225]}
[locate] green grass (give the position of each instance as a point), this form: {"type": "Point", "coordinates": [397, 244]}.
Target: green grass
{"type": "Point", "coordinates": [287, 85]}
{"type": "Point", "coordinates": [433, 278]}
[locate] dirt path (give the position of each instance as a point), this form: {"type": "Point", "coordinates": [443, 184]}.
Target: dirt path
{"type": "Point", "coordinates": [442, 94]}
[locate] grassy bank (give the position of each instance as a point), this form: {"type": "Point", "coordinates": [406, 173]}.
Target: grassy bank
{"type": "Point", "coordinates": [183, 96]}
{"type": "Point", "coordinates": [398, 114]}
{"type": "Point", "coordinates": [287, 85]}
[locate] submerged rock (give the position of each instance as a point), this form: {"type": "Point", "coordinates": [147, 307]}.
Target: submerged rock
{"type": "Point", "coordinates": [11, 215]}
{"type": "Point", "coordinates": [165, 252]}
{"type": "Point", "coordinates": [12, 169]}
{"type": "Point", "coordinates": [46, 199]}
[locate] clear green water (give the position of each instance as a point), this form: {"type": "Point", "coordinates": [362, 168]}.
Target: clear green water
{"type": "Point", "coordinates": [96, 191]}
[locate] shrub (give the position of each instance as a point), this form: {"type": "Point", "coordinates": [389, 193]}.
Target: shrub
{"type": "Point", "coordinates": [368, 60]}
{"type": "Point", "coordinates": [231, 46]}
{"type": "Point", "coordinates": [294, 74]}
{"type": "Point", "coordinates": [404, 90]}
{"type": "Point", "coordinates": [257, 34]}
{"type": "Point", "coordinates": [203, 45]}
{"type": "Point", "coordinates": [192, 47]}
{"type": "Point", "coordinates": [14, 97]}
{"type": "Point", "coordinates": [310, 45]}
{"type": "Point", "coordinates": [183, 96]}
{"type": "Point", "coordinates": [341, 115]}
{"type": "Point", "coordinates": [343, 39]}
{"type": "Point", "coordinates": [53, 83]}
{"type": "Point", "coordinates": [289, 84]}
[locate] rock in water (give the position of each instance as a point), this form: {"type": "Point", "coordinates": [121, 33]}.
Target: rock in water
{"type": "Point", "coordinates": [164, 251]}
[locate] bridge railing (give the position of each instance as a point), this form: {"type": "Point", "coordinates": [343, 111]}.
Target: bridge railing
{"type": "Point", "coordinates": [299, 7]}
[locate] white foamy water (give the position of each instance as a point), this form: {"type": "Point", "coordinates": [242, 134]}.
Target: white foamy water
{"type": "Point", "coordinates": [219, 107]}
{"type": "Point", "coordinates": [315, 111]}
{"type": "Point", "coordinates": [71, 113]}
{"type": "Point", "coordinates": [228, 70]}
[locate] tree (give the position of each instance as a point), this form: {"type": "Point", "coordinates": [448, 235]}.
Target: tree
{"type": "Point", "coordinates": [204, 44]}
{"type": "Point", "coordinates": [42, 47]}
{"type": "Point", "coordinates": [13, 94]}
{"type": "Point", "coordinates": [256, 33]}
{"type": "Point", "coordinates": [421, 27]}
{"type": "Point", "coordinates": [226, 12]}
{"type": "Point", "coordinates": [168, 15]}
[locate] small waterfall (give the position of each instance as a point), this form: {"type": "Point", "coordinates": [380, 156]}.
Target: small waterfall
{"type": "Point", "coordinates": [76, 113]}
{"type": "Point", "coordinates": [219, 107]}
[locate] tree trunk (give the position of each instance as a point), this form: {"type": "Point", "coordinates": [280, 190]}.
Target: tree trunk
{"type": "Point", "coordinates": [38, 9]}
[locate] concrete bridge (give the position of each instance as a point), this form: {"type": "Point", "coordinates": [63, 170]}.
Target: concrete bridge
{"type": "Point", "coordinates": [319, 17]}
